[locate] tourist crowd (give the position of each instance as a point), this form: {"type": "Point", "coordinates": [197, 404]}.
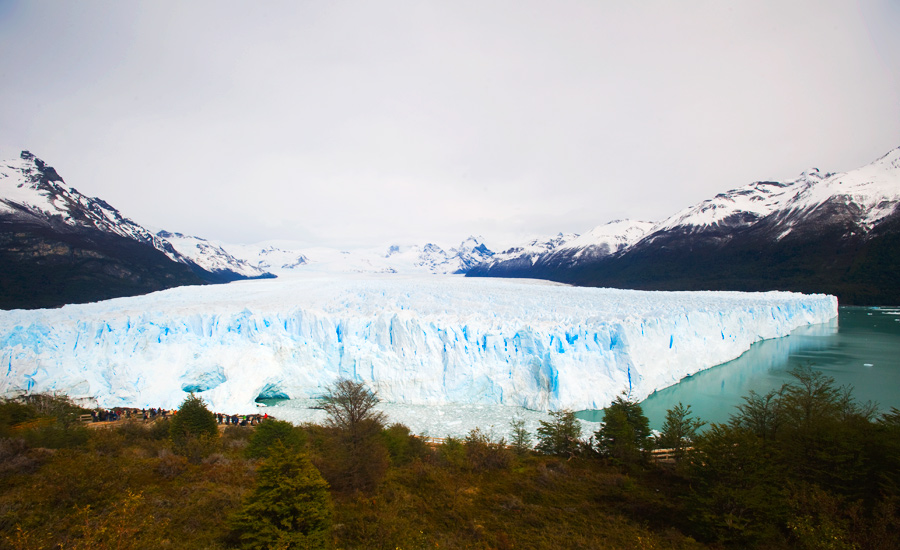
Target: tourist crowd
{"type": "Point", "coordinates": [122, 413]}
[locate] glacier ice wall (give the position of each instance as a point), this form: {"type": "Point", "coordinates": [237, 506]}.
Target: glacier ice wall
{"type": "Point", "coordinates": [417, 340]}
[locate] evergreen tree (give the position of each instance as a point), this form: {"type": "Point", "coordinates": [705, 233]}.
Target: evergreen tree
{"type": "Point", "coordinates": [521, 439]}
{"type": "Point", "coordinates": [679, 430]}
{"type": "Point", "coordinates": [561, 435]}
{"type": "Point", "coordinates": [193, 429]}
{"type": "Point", "coordinates": [290, 507]}
{"type": "Point", "coordinates": [625, 433]}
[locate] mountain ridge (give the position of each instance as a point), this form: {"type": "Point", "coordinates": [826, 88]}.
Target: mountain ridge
{"type": "Point", "coordinates": [834, 233]}
{"type": "Point", "coordinates": [59, 246]}
{"type": "Point", "coordinates": [417, 258]}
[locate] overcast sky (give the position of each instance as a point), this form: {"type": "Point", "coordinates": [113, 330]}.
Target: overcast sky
{"type": "Point", "coordinates": [365, 123]}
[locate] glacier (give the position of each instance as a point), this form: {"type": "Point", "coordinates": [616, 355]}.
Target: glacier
{"type": "Point", "coordinates": [418, 340]}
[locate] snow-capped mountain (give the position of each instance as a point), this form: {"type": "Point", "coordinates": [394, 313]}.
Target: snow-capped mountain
{"type": "Point", "coordinates": [861, 197]}
{"type": "Point", "coordinates": [212, 257]}
{"type": "Point", "coordinates": [570, 249]}
{"type": "Point", "coordinates": [856, 201]}
{"type": "Point", "coordinates": [268, 257]}
{"type": "Point", "coordinates": [283, 258]}
{"type": "Point", "coordinates": [603, 240]}
{"type": "Point", "coordinates": [523, 256]}
{"type": "Point", "coordinates": [59, 246]}
{"type": "Point", "coordinates": [821, 232]}
{"type": "Point", "coordinates": [34, 193]}
{"type": "Point", "coordinates": [456, 260]}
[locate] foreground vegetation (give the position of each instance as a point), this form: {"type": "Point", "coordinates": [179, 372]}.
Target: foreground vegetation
{"type": "Point", "coordinates": [803, 467]}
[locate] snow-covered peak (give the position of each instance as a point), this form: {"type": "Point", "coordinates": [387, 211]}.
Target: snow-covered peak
{"type": "Point", "coordinates": [471, 244]}
{"type": "Point", "coordinates": [268, 257]}
{"type": "Point", "coordinates": [613, 236]}
{"type": "Point", "coordinates": [33, 193]}
{"type": "Point", "coordinates": [530, 252]}
{"type": "Point", "coordinates": [26, 182]}
{"type": "Point", "coordinates": [874, 188]}
{"type": "Point", "coordinates": [468, 254]}
{"type": "Point", "coordinates": [535, 247]}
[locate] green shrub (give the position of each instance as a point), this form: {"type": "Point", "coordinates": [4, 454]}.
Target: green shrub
{"type": "Point", "coordinates": [159, 429]}
{"type": "Point", "coordinates": [13, 413]}
{"type": "Point", "coordinates": [195, 449]}
{"type": "Point", "coordinates": [170, 465]}
{"type": "Point", "coordinates": [16, 458]}
{"type": "Point", "coordinates": [402, 446]}
{"type": "Point", "coordinates": [234, 432]}
{"type": "Point", "coordinates": [452, 452]}
{"type": "Point", "coordinates": [59, 407]}
{"type": "Point", "coordinates": [56, 436]}
{"type": "Point", "coordinates": [270, 432]}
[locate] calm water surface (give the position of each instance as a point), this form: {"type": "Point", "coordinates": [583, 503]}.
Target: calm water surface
{"type": "Point", "coordinates": [861, 349]}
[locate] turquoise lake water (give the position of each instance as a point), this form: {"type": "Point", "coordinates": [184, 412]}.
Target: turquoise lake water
{"type": "Point", "coordinates": [861, 349]}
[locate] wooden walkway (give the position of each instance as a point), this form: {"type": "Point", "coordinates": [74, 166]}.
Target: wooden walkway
{"type": "Point", "coordinates": [666, 456]}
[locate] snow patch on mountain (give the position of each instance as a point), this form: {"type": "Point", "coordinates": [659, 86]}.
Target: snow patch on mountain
{"type": "Point", "coordinates": [210, 256]}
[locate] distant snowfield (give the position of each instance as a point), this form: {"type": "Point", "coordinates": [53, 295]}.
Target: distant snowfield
{"type": "Point", "coordinates": [415, 340]}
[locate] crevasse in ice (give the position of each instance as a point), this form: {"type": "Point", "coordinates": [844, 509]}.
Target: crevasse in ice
{"type": "Point", "coordinates": [416, 340]}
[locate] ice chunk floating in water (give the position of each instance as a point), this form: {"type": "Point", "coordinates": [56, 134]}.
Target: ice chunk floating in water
{"type": "Point", "coordinates": [415, 340]}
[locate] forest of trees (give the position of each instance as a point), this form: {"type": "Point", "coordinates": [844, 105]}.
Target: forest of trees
{"type": "Point", "coordinates": [805, 466]}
